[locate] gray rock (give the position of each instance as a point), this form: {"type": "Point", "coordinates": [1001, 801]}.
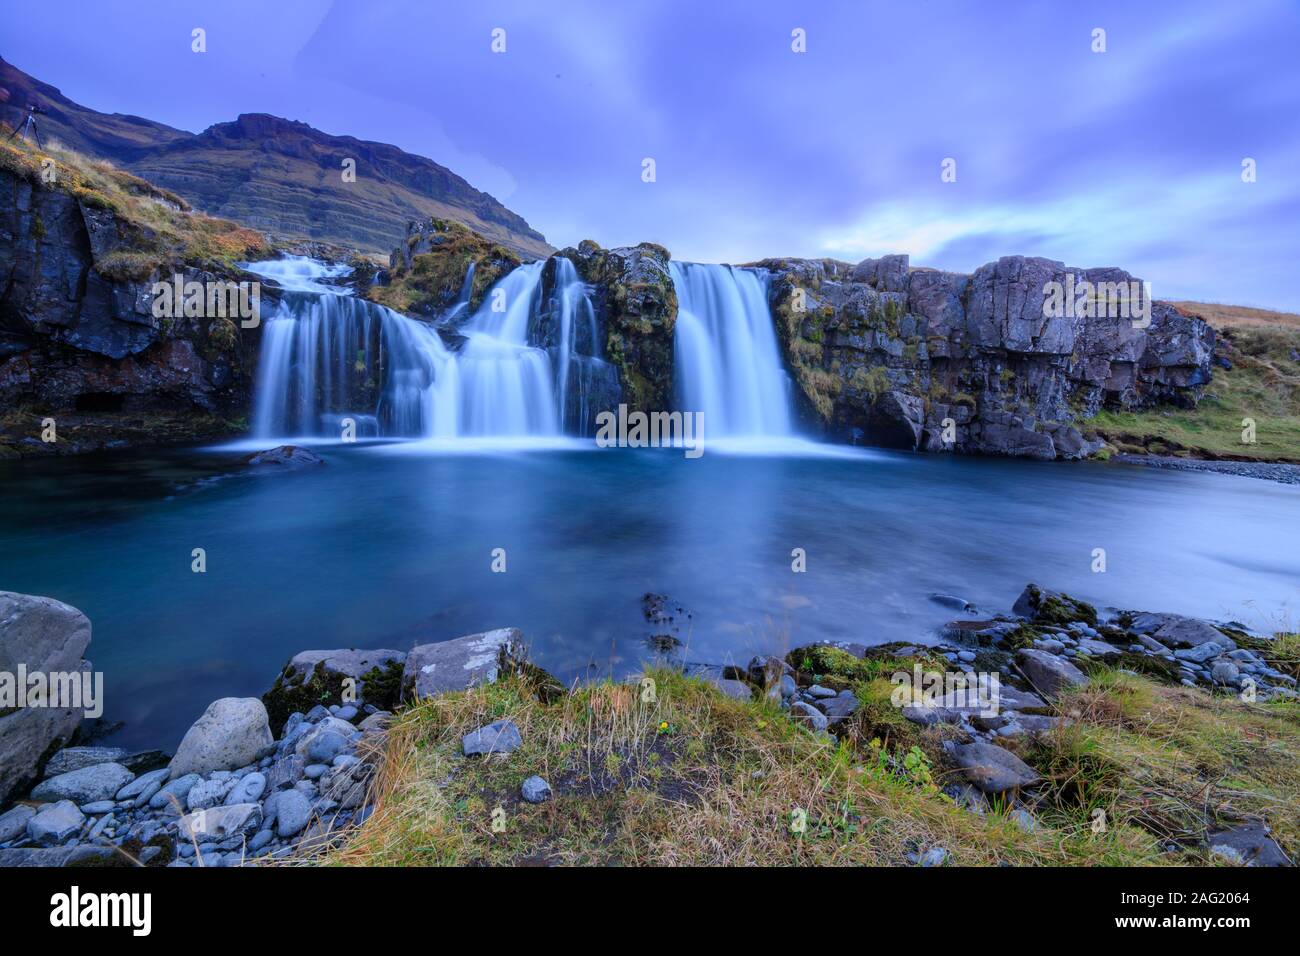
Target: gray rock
{"type": "Point", "coordinates": [460, 664]}
{"type": "Point", "coordinates": [292, 813]}
{"type": "Point", "coordinates": [175, 793]}
{"type": "Point", "coordinates": [1048, 673]}
{"type": "Point", "coordinates": [78, 855]}
{"type": "Point", "coordinates": [75, 758]}
{"type": "Point", "coordinates": [1014, 699]}
{"type": "Point", "coordinates": [13, 823]}
{"type": "Point", "coordinates": [232, 732]}
{"type": "Point", "coordinates": [1200, 653]}
{"type": "Point", "coordinates": [952, 601]}
{"type": "Point", "coordinates": [346, 785]}
{"type": "Point", "coordinates": [137, 787]}
{"type": "Point", "coordinates": [55, 822]}
{"type": "Point", "coordinates": [788, 688]}
{"type": "Point", "coordinates": [735, 689]}
{"type": "Point", "coordinates": [818, 691]}
{"type": "Point", "coordinates": [1225, 672]}
{"type": "Point", "coordinates": [284, 456]}
{"type": "Point", "coordinates": [315, 771]}
{"type": "Point", "coordinates": [260, 839]}
{"type": "Point", "coordinates": [208, 793]}
{"type": "Point", "coordinates": [1248, 844]}
{"type": "Point", "coordinates": [40, 635]}
{"type": "Point", "coordinates": [501, 736]}
{"type": "Point", "coordinates": [324, 747]}
{"type": "Point", "coordinates": [249, 789]}
{"type": "Point", "coordinates": [325, 737]}
{"type": "Point", "coordinates": [809, 716]}
{"type": "Point", "coordinates": [992, 769]}
{"type": "Point", "coordinates": [285, 772]}
{"type": "Point", "coordinates": [1024, 819]}
{"type": "Point", "coordinates": [1099, 649]}
{"type": "Point", "coordinates": [839, 707]}
{"type": "Point", "coordinates": [221, 823]}
{"type": "Point", "coordinates": [99, 781]}
{"type": "Point", "coordinates": [765, 671]}
{"type": "Point", "coordinates": [935, 856]}
{"type": "Point", "coordinates": [1174, 630]}
{"type": "Point", "coordinates": [376, 722]}
{"type": "Point", "coordinates": [97, 807]}
{"type": "Point", "coordinates": [535, 790]}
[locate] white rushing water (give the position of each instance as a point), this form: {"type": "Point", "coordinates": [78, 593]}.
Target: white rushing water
{"type": "Point", "coordinates": [727, 362]}
{"type": "Point", "coordinates": [528, 366]}
{"type": "Point", "coordinates": [327, 357]}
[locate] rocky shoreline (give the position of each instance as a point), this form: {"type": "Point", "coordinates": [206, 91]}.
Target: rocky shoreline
{"type": "Point", "coordinates": [236, 793]}
{"type": "Point", "coordinates": [1284, 473]}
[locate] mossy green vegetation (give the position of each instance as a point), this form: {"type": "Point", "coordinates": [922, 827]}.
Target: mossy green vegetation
{"type": "Point", "coordinates": [687, 775]}
{"type": "Point", "coordinates": [158, 230]}
{"type": "Point", "coordinates": [435, 277]}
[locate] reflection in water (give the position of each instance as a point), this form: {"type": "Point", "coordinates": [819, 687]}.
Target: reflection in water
{"type": "Point", "coordinates": [386, 547]}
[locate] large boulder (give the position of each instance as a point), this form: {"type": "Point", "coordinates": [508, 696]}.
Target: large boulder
{"type": "Point", "coordinates": [74, 758]}
{"type": "Point", "coordinates": [99, 781]}
{"type": "Point", "coordinates": [1049, 673]}
{"type": "Point", "coordinates": [1174, 630]}
{"type": "Point", "coordinates": [992, 769]}
{"type": "Point", "coordinates": [232, 733]}
{"type": "Point", "coordinates": [328, 676]}
{"type": "Point", "coordinates": [37, 635]}
{"type": "Point", "coordinates": [460, 664]}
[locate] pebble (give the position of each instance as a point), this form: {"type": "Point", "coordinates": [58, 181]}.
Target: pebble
{"type": "Point", "coordinates": [535, 790]}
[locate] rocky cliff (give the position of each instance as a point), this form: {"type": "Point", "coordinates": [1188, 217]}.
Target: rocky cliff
{"type": "Point", "coordinates": [889, 355]}
{"type": "Point", "coordinates": [79, 341]}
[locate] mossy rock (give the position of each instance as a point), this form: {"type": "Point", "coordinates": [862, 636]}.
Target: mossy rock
{"type": "Point", "coordinates": [1054, 607]}
{"type": "Point", "coordinates": [380, 686]}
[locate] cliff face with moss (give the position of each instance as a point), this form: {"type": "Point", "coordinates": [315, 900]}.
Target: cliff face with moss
{"type": "Point", "coordinates": [889, 355]}
{"type": "Point", "coordinates": [79, 342]}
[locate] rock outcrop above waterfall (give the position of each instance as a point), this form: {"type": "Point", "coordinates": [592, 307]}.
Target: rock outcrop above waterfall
{"type": "Point", "coordinates": [636, 305]}
{"type": "Point", "coordinates": [280, 176]}
{"type": "Point", "coordinates": [427, 274]}
{"type": "Point", "coordinates": [888, 355]}
{"type": "Point", "coordinates": [79, 342]}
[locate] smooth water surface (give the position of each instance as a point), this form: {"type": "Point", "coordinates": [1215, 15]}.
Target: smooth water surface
{"type": "Point", "coordinates": [390, 545]}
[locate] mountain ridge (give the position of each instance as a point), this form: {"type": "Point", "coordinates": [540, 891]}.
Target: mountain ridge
{"type": "Point", "coordinates": [279, 175]}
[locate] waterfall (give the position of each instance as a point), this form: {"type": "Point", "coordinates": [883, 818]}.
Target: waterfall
{"type": "Point", "coordinates": [328, 356]}
{"type": "Point", "coordinates": [727, 363]}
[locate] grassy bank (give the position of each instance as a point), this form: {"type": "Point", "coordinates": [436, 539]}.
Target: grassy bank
{"type": "Point", "coordinates": [694, 777]}
{"type": "Point", "coordinates": [1263, 384]}
{"type": "Point", "coordinates": [159, 229]}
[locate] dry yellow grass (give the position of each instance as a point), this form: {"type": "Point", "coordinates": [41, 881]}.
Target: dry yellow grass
{"type": "Point", "coordinates": [695, 778]}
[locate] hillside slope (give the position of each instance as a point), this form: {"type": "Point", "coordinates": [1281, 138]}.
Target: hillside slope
{"type": "Point", "coordinates": [277, 175]}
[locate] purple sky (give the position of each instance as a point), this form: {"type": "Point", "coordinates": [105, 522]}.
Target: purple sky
{"type": "Point", "coordinates": [1130, 157]}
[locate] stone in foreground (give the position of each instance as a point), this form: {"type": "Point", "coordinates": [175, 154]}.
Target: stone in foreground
{"type": "Point", "coordinates": [99, 781]}
{"type": "Point", "coordinates": [233, 732]}
{"type": "Point", "coordinates": [55, 822]}
{"type": "Point", "coordinates": [992, 769]}
{"type": "Point", "coordinates": [465, 662]}
{"type": "Point", "coordinates": [1048, 673]}
{"type": "Point", "coordinates": [498, 737]}
{"type": "Point", "coordinates": [1248, 844]}
{"type": "Point", "coordinates": [221, 823]}
{"type": "Point", "coordinates": [43, 636]}
{"type": "Point", "coordinates": [535, 790]}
